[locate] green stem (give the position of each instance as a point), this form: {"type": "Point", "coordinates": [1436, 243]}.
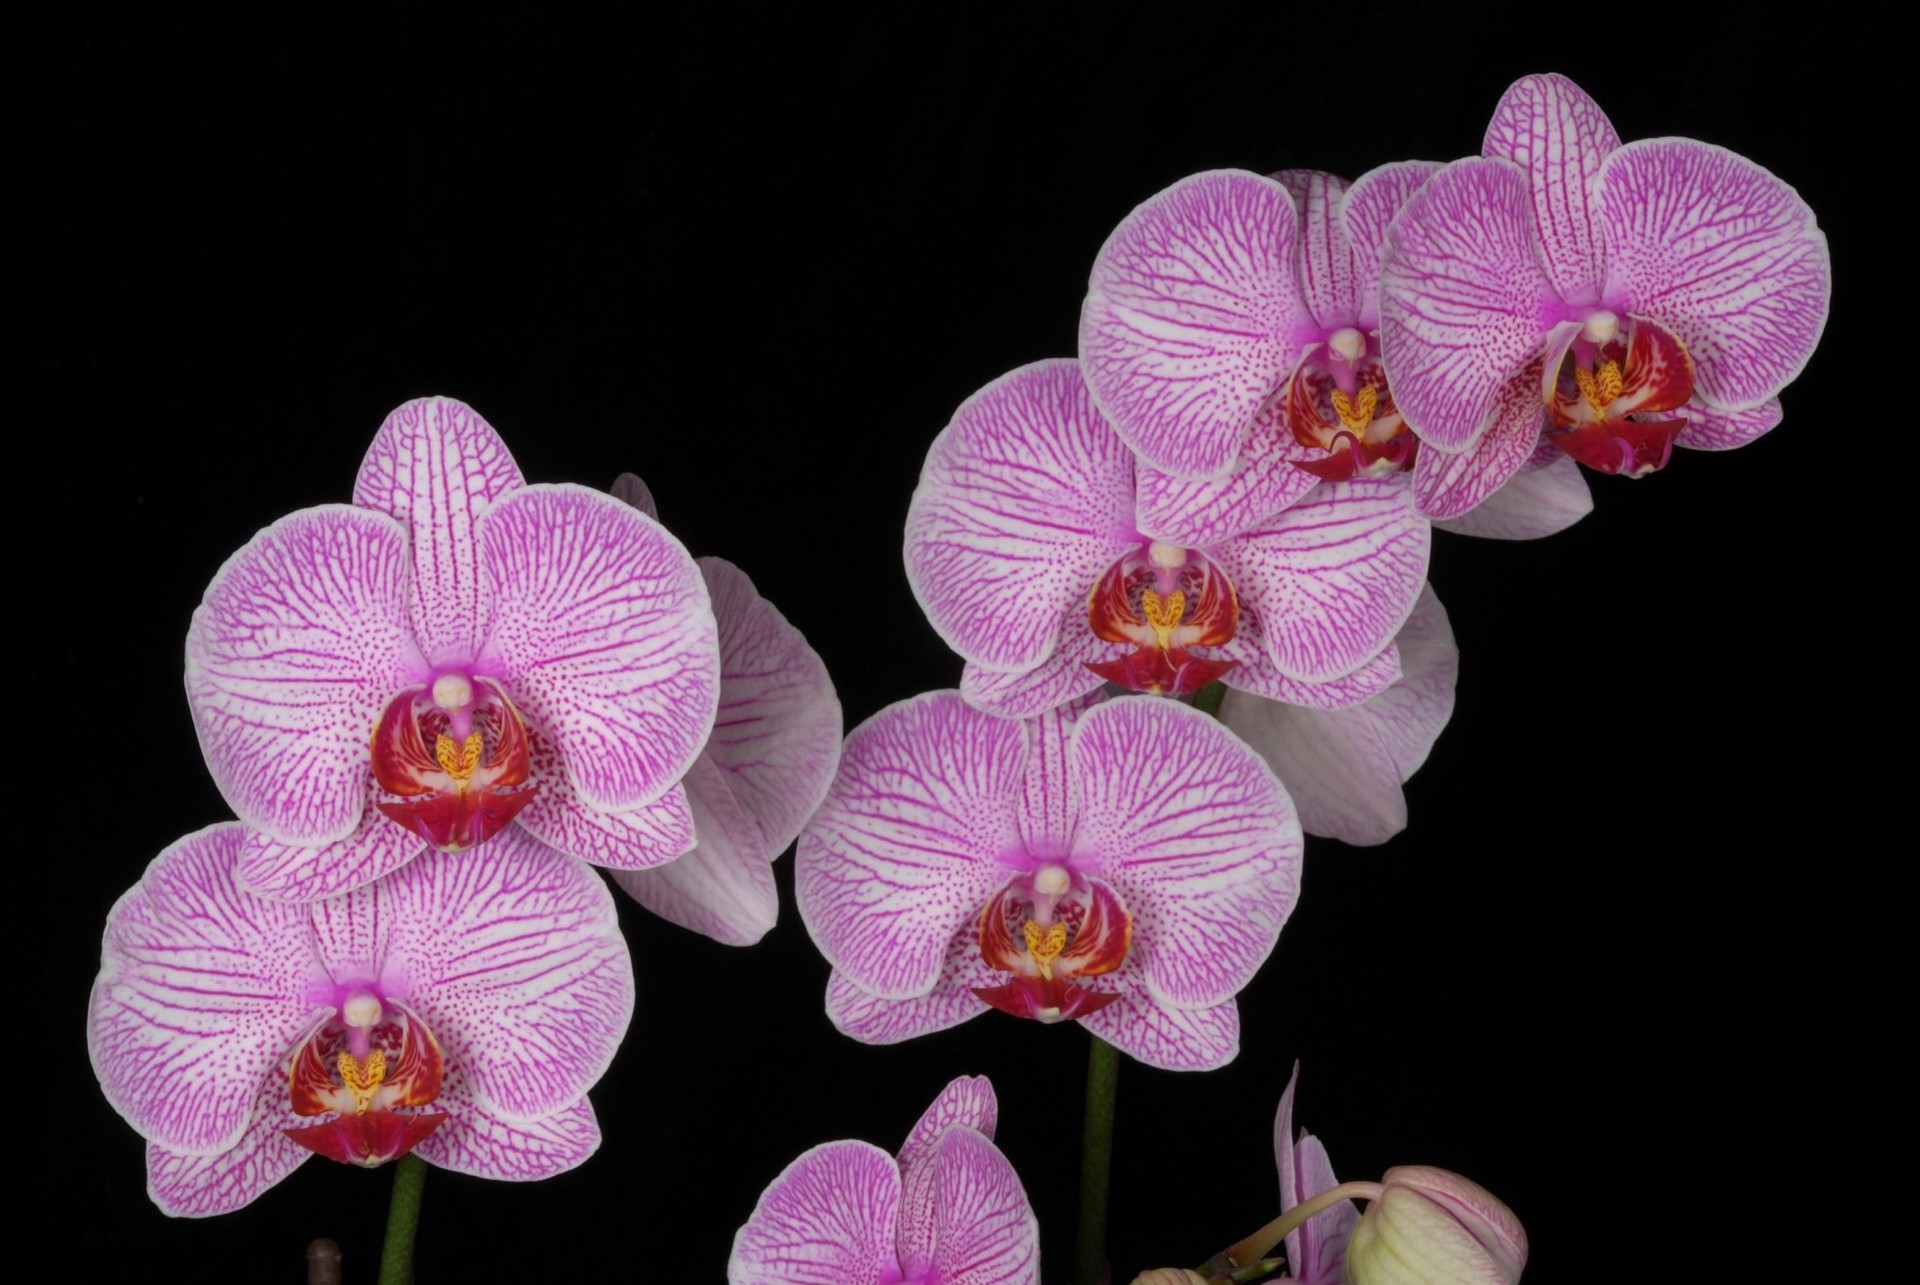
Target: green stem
{"type": "Point", "coordinates": [1207, 699]}
{"type": "Point", "coordinates": [403, 1220]}
{"type": "Point", "coordinates": [1096, 1162]}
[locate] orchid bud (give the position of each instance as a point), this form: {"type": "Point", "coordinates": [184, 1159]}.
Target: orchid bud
{"type": "Point", "coordinates": [1170, 1276]}
{"type": "Point", "coordinates": [1429, 1226]}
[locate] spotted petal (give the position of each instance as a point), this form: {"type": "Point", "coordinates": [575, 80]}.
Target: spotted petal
{"type": "Point", "coordinates": [1198, 837]}
{"type": "Point", "coordinates": [1193, 318]}
{"type": "Point", "coordinates": [1447, 486]}
{"type": "Point", "coordinates": [202, 989]}
{"type": "Point", "coordinates": [906, 847]}
{"type": "Point", "coordinates": [286, 872]}
{"type": "Point", "coordinates": [1553, 130]}
{"type": "Point", "coordinates": [189, 1186]}
{"type": "Point", "coordinates": [1199, 514]}
{"type": "Point", "coordinates": [1366, 211]}
{"type": "Point", "coordinates": [1713, 430]}
{"type": "Point", "coordinates": [558, 816]}
{"type": "Point", "coordinates": [1464, 302]}
{"type": "Point", "coordinates": [1533, 503]}
{"type": "Point", "coordinates": [723, 887]}
{"type": "Point", "coordinates": [1722, 253]}
{"type": "Point", "coordinates": [1026, 497]}
{"type": "Point", "coordinates": [516, 963]}
{"type": "Point", "coordinates": [605, 635]}
{"type": "Point", "coordinates": [828, 1219]}
{"type": "Point", "coordinates": [300, 641]}
{"type": "Point", "coordinates": [472, 1141]}
{"type": "Point", "coordinates": [1333, 577]}
{"type": "Point", "coordinates": [436, 466]}
{"type": "Point", "coordinates": [1172, 1039]}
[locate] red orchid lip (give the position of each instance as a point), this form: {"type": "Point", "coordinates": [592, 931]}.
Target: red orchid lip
{"type": "Point", "coordinates": [1606, 405]}
{"type": "Point", "coordinates": [455, 784]}
{"type": "Point", "coordinates": [1084, 932]}
{"type": "Point", "coordinates": [1163, 600]}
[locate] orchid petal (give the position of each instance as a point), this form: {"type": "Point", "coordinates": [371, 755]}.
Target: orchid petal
{"type": "Point", "coordinates": [1553, 129]}
{"type": "Point", "coordinates": [516, 963]}
{"type": "Point", "coordinates": [1316, 1251]}
{"type": "Point", "coordinates": [828, 1219]}
{"type": "Point", "coordinates": [1722, 253]}
{"type": "Point", "coordinates": [1204, 513]}
{"type": "Point", "coordinates": [603, 628]}
{"type": "Point", "coordinates": [1193, 317]}
{"type": "Point", "coordinates": [1059, 678]}
{"type": "Point", "coordinates": [985, 1232]}
{"type": "Point", "coordinates": [473, 1141]}
{"type": "Point", "coordinates": [907, 846]}
{"type": "Point", "coordinates": [1333, 577]}
{"type": "Point", "coordinates": [1366, 211]}
{"type": "Point", "coordinates": [1533, 503]}
{"type": "Point", "coordinates": [1026, 497]}
{"type": "Point", "coordinates": [195, 1186]}
{"type": "Point", "coordinates": [1447, 486]}
{"type": "Point", "coordinates": [1463, 300]}
{"type": "Point", "coordinates": [631, 491]}
{"type": "Point", "coordinates": [967, 1103]}
{"type": "Point", "coordinates": [300, 641]}
{"type": "Point", "coordinates": [1714, 430]}
{"type": "Point", "coordinates": [723, 887]}
{"type": "Point", "coordinates": [1329, 275]}
{"type": "Point", "coordinates": [1198, 837]}
{"type": "Point", "coordinates": [1256, 675]}
{"type": "Point", "coordinates": [872, 1020]}
{"type": "Point", "coordinates": [1051, 802]}
{"type": "Point", "coordinates": [1414, 711]}
{"type": "Point", "coordinates": [647, 836]}
{"type": "Point", "coordinates": [1333, 762]}
{"type": "Point", "coordinates": [1173, 1039]}
{"type": "Point", "coordinates": [202, 989]}
{"type": "Point", "coordinates": [436, 465]}
{"type": "Point", "coordinates": [286, 872]}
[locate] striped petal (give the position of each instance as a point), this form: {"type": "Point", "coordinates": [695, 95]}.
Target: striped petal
{"type": "Point", "coordinates": [1533, 503]}
{"type": "Point", "coordinates": [1552, 129]}
{"type": "Point", "coordinates": [1173, 1039]}
{"type": "Point", "coordinates": [1256, 675]}
{"type": "Point", "coordinates": [300, 641]}
{"type": "Point", "coordinates": [966, 1103]}
{"type": "Point", "coordinates": [436, 466]}
{"type": "Point", "coordinates": [1464, 302]}
{"type": "Point", "coordinates": [1193, 318]}
{"type": "Point", "coordinates": [1366, 211]}
{"type": "Point", "coordinates": [907, 846]}
{"type": "Point", "coordinates": [1199, 514]}
{"type": "Point", "coordinates": [286, 872]}
{"type": "Point", "coordinates": [984, 1231]}
{"type": "Point", "coordinates": [1714, 430]}
{"type": "Point", "coordinates": [828, 1219]}
{"type": "Point", "coordinates": [1329, 273]}
{"type": "Point", "coordinates": [604, 633]}
{"type": "Point", "coordinates": [1447, 486]}
{"type": "Point", "coordinates": [723, 887]}
{"type": "Point", "coordinates": [1061, 677]}
{"type": "Point", "coordinates": [560, 817]}
{"type": "Point", "coordinates": [1197, 836]}
{"type": "Point", "coordinates": [202, 990]}
{"type": "Point", "coordinates": [472, 1141]}
{"type": "Point", "coordinates": [1722, 253]}
{"type": "Point", "coordinates": [190, 1186]}
{"type": "Point", "coordinates": [1026, 497]}
{"type": "Point", "coordinates": [872, 1020]}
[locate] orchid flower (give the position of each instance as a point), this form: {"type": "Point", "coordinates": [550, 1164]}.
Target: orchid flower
{"type": "Point", "coordinates": [1033, 556]}
{"type": "Point", "coordinates": [1642, 294]}
{"type": "Point", "coordinates": [239, 1036]}
{"type": "Point", "coordinates": [544, 654]}
{"type": "Point", "coordinates": [1231, 335]}
{"type": "Point", "coordinates": [1127, 864]}
{"type": "Point", "coordinates": [1345, 767]}
{"type": "Point", "coordinates": [949, 1210]}
{"type": "Point", "coordinates": [767, 765]}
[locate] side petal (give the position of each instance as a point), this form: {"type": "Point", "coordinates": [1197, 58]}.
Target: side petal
{"type": "Point", "coordinates": [604, 632]}
{"type": "Point", "coordinates": [1714, 430]}
{"type": "Point", "coordinates": [288, 872]}
{"type": "Point", "coordinates": [1198, 837]}
{"type": "Point", "coordinates": [723, 887]}
{"type": "Point", "coordinates": [202, 990]}
{"type": "Point", "coordinates": [1198, 514]}
{"type": "Point", "coordinates": [1329, 276]}
{"type": "Point", "coordinates": [1061, 677]}
{"type": "Point", "coordinates": [1463, 300]}
{"type": "Point", "coordinates": [516, 963]}
{"type": "Point", "coordinates": [558, 816]}
{"type": "Point", "coordinates": [1448, 486]}
{"type": "Point", "coordinates": [473, 1141]}
{"type": "Point", "coordinates": [1722, 253]}
{"type": "Point", "coordinates": [985, 1232]}
{"type": "Point", "coordinates": [828, 1219]}
{"type": "Point", "coordinates": [301, 639]}
{"type": "Point", "coordinates": [1193, 316]}
{"type": "Point", "coordinates": [190, 1186]}
{"type": "Point", "coordinates": [907, 846]}
{"type": "Point", "coordinates": [1532, 504]}
{"type": "Point", "coordinates": [1173, 1039]}
{"type": "Point", "coordinates": [1025, 498]}
{"type": "Point", "coordinates": [1366, 211]}
{"type": "Point", "coordinates": [1333, 578]}
{"type": "Point", "coordinates": [631, 491]}
{"type": "Point", "coordinates": [1552, 129]}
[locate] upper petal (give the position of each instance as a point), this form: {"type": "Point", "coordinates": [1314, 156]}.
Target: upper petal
{"type": "Point", "coordinates": [1192, 317]}
{"type": "Point", "coordinates": [1173, 1039]}
{"type": "Point", "coordinates": [909, 842]}
{"type": "Point", "coordinates": [1329, 274]}
{"type": "Point", "coordinates": [1198, 837]}
{"type": "Point", "coordinates": [199, 1186]}
{"type": "Point", "coordinates": [1263, 482]}
{"type": "Point", "coordinates": [968, 1100]}
{"type": "Point", "coordinates": [1531, 504]}
{"type": "Point", "coordinates": [300, 641]}
{"type": "Point", "coordinates": [473, 1141]}
{"type": "Point", "coordinates": [828, 1219]}
{"type": "Point", "coordinates": [202, 990]}
{"type": "Point", "coordinates": [1464, 302]}
{"type": "Point", "coordinates": [603, 628]}
{"type": "Point", "coordinates": [1367, 209]}
{"type": "Point", "coordinates": [1025, 498]}
{"type": "Point", "coordinates": [723, 886]}
{"type": "Point", "coordinates": [1722, 253]}
{"type": "Point", "coordinates": [985, 1232]}
{"type": "Point", "coordinates": [436, 466]}
{"type": "Point", "coordinates": [1550, 127]}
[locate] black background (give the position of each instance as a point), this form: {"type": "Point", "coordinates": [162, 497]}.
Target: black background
{"type": "Point", "coordinates": [759, 257]}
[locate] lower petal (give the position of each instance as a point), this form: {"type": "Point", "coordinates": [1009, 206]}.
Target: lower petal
{"type": "Point", "coordinates": [1333, 763]}
{"type": "Point", "coordinates": [1446, 486]}
{"type": "Point", "coordinates": [1263, 482]}
{"type": "Point", "coordinates": [472, 1141]}
{"type": "Point", "coordinates": [1715, 430]}
{"type": "Point", "coordinates": [723, 887]}
{"type": "Point", "coordinates": [187, 1186]}
{"type": "Point", "coordinates": [866, 1017]}
{"type": "Point", "coordinates": [1533, 504]}
{"type": "Point", "coordinates": [828, 1219]}
{"type": "Point", "coordinates": [1196, 1039]}
{"type": "Point", "coordinates": [561, 818]}
{"type": "Point", "coordinates": [1061, 677]}
{"type": "Point", "coordinates": [1256, 674]}
{"type": "Point", "coordinates": [284, 872]}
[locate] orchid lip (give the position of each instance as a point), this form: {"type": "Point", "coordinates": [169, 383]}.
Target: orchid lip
{"type": "Point", "coordinates": [1070, 927]}
{"type": "Point", "coordinates": [1163, 600]}
{"type": "Point", "coordinates": [454, 774]}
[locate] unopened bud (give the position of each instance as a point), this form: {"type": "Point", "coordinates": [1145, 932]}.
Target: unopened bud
{"type": "Point", "coordinates": [1170, 1276]}
{"type": "Point", "coordinates": [1430, 1225]}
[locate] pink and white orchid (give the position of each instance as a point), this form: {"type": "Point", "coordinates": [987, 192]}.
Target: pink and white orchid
{"type": "Point", "coordinates": [1128, 865]}
{"type": "Point", "coordinates": [1035, 557]}
{"type": "Point", "coordinates": [760, 775]}
{"type": "Point", "coordinates": [949, 1210]}
{"type": "Point", "coordinates": [1231, 335]}
{"type": "Point", "coordinates": [539, 654]}
{"type": "Point", "coordinates": [1639, 294]}
{"type": "Point", "coordinates": [459, 1009]}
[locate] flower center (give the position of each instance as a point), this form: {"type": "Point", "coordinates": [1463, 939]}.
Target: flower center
{"type": "Point", "coordinates": [1163, 599]}
{"type": "Point", "coordinates": [1048, 929]}
{"type": "Point", "coordinates": [371, 1065]}
{"type": "Point", "coordinates": [1605, 402]}
{"type": "Point", "coordinates": [453, 760]}
{"type": "Point", "coordinates": [1338, 401]}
